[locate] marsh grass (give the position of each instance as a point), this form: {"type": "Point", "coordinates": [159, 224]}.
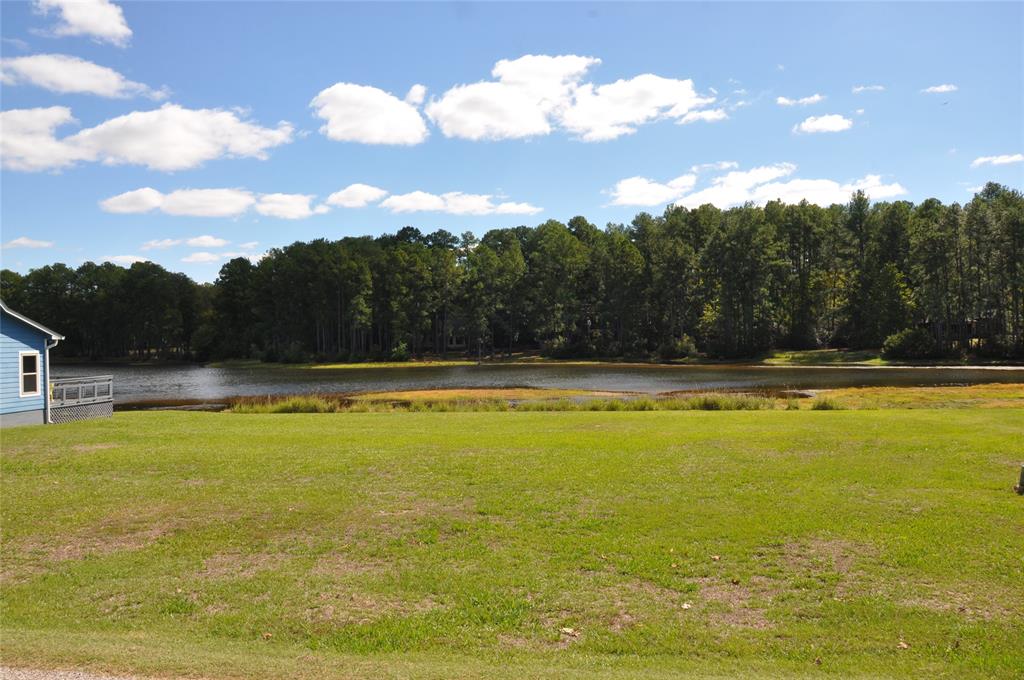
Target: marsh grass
{"type": "Point", "coordinates": [295, 404]}
{"type": "Point", "coordinates": [825, 403]}
{"type": "Point", "coordinates": [335, 404]}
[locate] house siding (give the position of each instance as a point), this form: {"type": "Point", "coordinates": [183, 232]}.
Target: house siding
{"type": "Point", "coordinates": [16, 337]}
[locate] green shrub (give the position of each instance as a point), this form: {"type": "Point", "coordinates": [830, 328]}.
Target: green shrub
{"type": "Point", "coordinates": [400, 352]}
{"type": "Point", "coordinates": [911, 343]}
{"type": "Point", "coordinates": [677, 348]}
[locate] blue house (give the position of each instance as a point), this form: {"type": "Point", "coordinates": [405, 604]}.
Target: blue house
{"type": "Point", "coordinates": [24, 369]}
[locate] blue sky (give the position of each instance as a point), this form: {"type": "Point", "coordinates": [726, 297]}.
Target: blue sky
{"type": "Point", "coordinates": [118, 119]}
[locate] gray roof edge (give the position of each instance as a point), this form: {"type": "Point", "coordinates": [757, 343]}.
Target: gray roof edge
{"type": "Point", "coordinates": [38, 326]}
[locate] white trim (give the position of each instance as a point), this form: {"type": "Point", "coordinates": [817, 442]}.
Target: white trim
{"type": "Point", "coordinates": [47, 393]}
{"type": "Point", "coordinates": [38, 374]}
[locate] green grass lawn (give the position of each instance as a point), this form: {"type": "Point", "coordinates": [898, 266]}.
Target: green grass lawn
{"type": "Point", "coordinates": [564, 544]}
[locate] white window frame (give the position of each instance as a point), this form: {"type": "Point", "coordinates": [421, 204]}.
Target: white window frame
{"type": "Point", "coordinates": [21, 374]}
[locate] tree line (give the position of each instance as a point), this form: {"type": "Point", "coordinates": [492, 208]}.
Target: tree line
{"type": "Point", "coordinates": [923, 280]}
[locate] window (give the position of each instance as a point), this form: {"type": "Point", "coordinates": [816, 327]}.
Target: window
{"type": "Point", "coordinates": [29, 374]}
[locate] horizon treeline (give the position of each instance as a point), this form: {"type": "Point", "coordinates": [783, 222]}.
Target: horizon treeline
{"type": "Point", "coordinates": [923, 280]}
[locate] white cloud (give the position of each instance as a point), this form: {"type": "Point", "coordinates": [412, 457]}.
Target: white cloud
{"type": "Point", "coordinates": [137, 201]}
{"type": "Point", "coordinates": [26, 242]}
{"type": "Point", "coordinates": [213, 203]}
{"type": "Point", "coordinates": [720, 165]}
{"type": "Point", "coordinates": [247, 254]}
{"type": "Point", "coordinates": [99, 19]}
{"type": "Point", "coordinates": [610, 111]}
{"type": "Point", "coordinates": [858, 89]}
{"type": "Point", "coordinates": [517, 104]}
{"type": "Point", "coordinates": [206, 241]}
{"type": "Point", "coordinates": [758, 185]}
{"type": "Point", "coordinates": [64, 74]}
{"type": "Point", "coordinates": [201, 257]}
{"type": "Point", "coordinates": [183, 202]}
{"type": "Point", "coordinates": [825, 192]}
{"type": "Point", "coordinates": [207, 202]}
{"type": "Point", "coordinates": [734, 187]}
{"type": "Point", "coordinates": [643, 191]}
{"type": "Point", "coordinates": [168, 138]}
{"type": "Point", "coordinates": [416, 94]}
{"type": "Point", "coordinates": [123, 259]}
{"type": "Point", "coordinates": [940, 89]}
{"type": "Point", "coordinates": [176, 138]}
{"type": "Point", "coordinates": [415, 201]}
{"type": "Point", "coordinates": [533, 94]}
{"type": "Point", "coordinates": [356, 196]}
{"type": "Point", "coordinates": [360, 113]}
{"type": "Point", "coordinates": [207, 257]}
{"type": "Point", "coordinates": [511, 208]}
{"type": "Point", "coordinates": [27, 140]}
{"type": "Point", "coordinates": [161, 243]}
{"type": "Point", "coordinates": [288, 206]}
{"type": "Point", "coordinates": [859, 112]}
{"type": "Point", "coordinates": [1004, 159]}
{"type": "Point", "coordinates": [455, 203]}
{"type": "Point", "coordinates": [707, 115]}
{"type": "Point", "coordinates": [802, 101]}
{"type": "Point", "coordinates": [832, 122]}
{"type": "Point", "coordinates": [234, 202]}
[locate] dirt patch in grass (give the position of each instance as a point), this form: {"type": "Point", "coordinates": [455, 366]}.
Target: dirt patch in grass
{"type": "Point", "coordinates": [114, 534]}
{"type": "Point", "coordinates": [971, 603]}
{"type": "Point", "coordinates": [825, 558]}
{"type": "Point", "coordinates": [518, 642]}
{"type": "Point", "coordinates": [856, 572]}
{"type": "Point", "coordinates": [109, 542]}
{"type": "Point", "coordinates": [737, 604]}
{"type": "Point", "coordinates": [339, 565]}
{"type": "Point", "coordinates": [240, 565]}
{"type": "Point", "coordinates": [621, 621]}
{"type": "Point", "coordinates": [99, 446]}
{"type": "Point", "coordinates": [348, 608]}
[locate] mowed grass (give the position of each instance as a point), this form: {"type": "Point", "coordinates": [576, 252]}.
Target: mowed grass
{"type": "Point", "coordinates": [880, 543]}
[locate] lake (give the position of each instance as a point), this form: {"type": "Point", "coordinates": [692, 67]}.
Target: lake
{"type": "Point", "coordinates": [161, 382]}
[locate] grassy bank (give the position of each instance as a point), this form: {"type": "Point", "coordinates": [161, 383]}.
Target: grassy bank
{"type": "Point", "coordinates": [992, 395]}
{"type": "Point", "coordinates": [874, 543]}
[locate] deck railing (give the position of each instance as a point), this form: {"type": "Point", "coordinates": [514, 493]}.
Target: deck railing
{"type": "Point", "coordinates": [86, 390]}
{"type": "Point", "coordinates": [81, 398]}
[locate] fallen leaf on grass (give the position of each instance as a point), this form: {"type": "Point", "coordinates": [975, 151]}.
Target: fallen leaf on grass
{"type": "Point", "coordinates": [903, 645]}
{"type": "Point", "coordinates": [571, 632]}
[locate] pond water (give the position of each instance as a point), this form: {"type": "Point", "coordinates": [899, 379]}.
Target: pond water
{"type": "Point", "coordinates": [170, 383]}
